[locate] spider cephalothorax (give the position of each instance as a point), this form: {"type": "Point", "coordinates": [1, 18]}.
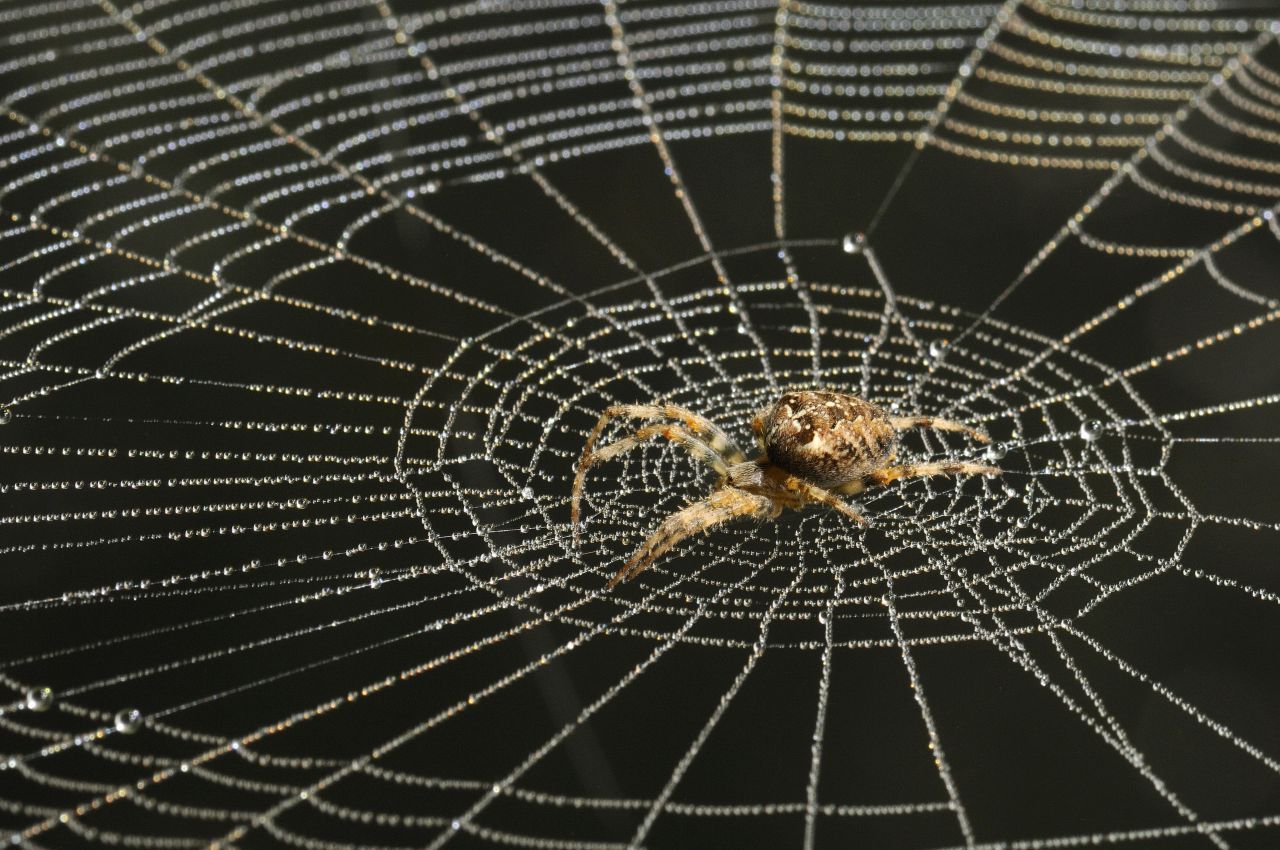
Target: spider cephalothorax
{"type": "Point", "coordinates": [817, 445]}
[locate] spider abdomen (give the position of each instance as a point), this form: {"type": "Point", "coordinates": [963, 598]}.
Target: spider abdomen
{"type": "Point", "coordinates": [826, 437]}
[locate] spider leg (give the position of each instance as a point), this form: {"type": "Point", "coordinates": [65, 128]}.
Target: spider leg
{"type": "Point", "coordinates": [721, 506]}
{"type": "Point", "coordinates": [901, 423]}
{"type": "Point", "coordinates": [922, 470]}
{"type": "Point", "coordinates": [675, 433]}
{"type": "Point", "coordinates": [813, 493]}
{"type": "Point", "coordinates": [712, 434]}
{"type": "Point", "coordinates": [757, 428]}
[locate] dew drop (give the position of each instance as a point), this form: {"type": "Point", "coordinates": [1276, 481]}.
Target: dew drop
{"type": "Point", "coordinates": [1091, 430]}
{"type": "Point", "coordinates": [937, 348]}
{"type": "Point", "coordinates": [995, 451]}
{"type": "Point", "coordinates": [39, 698]}
{"type": "Point", "coordinates": [128, 720]}
{"type": "Point", "coordinates": [527, 493]}
{"type": "Point", "coordinates": [6, 415]}
{"type": "Point", "coordinates": [853, 243]}
{"type": "Point", "coordinates": [431, 187]}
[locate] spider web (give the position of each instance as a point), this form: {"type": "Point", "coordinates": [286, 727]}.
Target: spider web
{"type": "Point", "coordinates": [307, 312]}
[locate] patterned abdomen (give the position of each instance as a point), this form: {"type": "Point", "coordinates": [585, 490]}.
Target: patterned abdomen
{"type": "Point", "coordinates": [825, 437]}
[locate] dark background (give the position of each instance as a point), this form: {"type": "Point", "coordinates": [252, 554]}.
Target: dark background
{"type": "Point", "coordinates": [335, 509]}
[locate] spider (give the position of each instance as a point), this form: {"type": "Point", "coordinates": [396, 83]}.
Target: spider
{"type": "Point", "coordinates": [815, 444]}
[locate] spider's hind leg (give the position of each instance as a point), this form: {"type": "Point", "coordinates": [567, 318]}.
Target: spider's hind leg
{"type": "Point", "coordinates": [903, 423]}
{"type": "Point", "coordinates": [921, 470]}
{"type": "Point", "coordinates": [721, 506]}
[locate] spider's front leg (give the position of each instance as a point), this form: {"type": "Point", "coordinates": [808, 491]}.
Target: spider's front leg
{"type": "Point", "coordinates": [722, 505]}
{"type": "Point", "coordinates": [813, 493]}
{"type": "Point", "coordinates": [710, 433]}
{"type": "Point", "coordinates": [675, 433]}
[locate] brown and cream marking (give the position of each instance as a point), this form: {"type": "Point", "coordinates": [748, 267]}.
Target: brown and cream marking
{"type": "Point", "coordinates": [817, 445]}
